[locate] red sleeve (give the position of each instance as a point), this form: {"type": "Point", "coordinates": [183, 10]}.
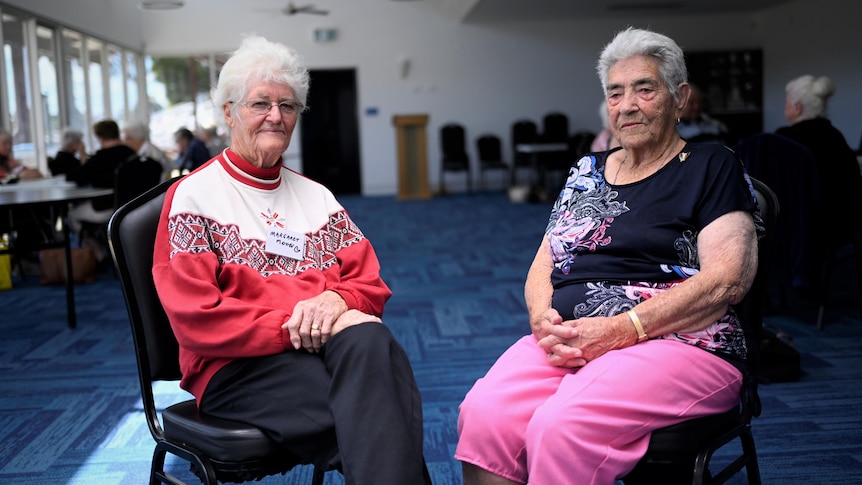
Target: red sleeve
{"type": "Point", "coordinates": [360, 284]}
{"type": "Point", "coordinates": [206, 321]}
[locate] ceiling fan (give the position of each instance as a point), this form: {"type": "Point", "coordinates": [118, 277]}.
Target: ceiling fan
{"type": "Point", "coordinates": [292, 9]}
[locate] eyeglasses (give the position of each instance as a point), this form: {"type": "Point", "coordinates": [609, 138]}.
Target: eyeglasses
{"type": "Point", "coordinates": [261, 107]}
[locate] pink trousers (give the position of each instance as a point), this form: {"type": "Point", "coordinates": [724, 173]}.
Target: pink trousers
{"type": "Point", "coordinates": [530, 422]}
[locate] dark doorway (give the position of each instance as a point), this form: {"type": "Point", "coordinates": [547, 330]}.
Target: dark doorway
{"type": "Point", "coordinates": [330, 131]}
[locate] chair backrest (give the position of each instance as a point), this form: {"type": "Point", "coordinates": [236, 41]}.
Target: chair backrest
{"type": "Point", "coordinates": [555, 128]}
{"type": "Point", "coordinates": [787, 167]}
{"type": "Point", "coordinates": [523, 131]}
{"type": "Point", "coordinates": [580, 143]}
{"type": "Point", "coordinates": [488, 147]}
{"type": "Point", "coordinates": [131, 237]}
{"type": "Point", "coordinates": [452, 142]}
{"type": "Point", "coordinates": [134, 177]}
{"type": "Point", "coordinates": [751, 309]}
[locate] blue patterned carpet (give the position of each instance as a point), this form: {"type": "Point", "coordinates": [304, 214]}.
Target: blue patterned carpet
{"type": "Point", "coordinates": [69, 410]}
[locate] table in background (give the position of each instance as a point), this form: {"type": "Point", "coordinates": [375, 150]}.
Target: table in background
{"type": "Point", "coordinates": [535, 150]}
{"type": "Point", "coordinates": [54, 194]}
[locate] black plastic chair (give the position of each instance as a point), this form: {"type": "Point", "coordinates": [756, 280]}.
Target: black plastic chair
{"type": "Point", "coordinates": [681, 454]}
{"type": "Point", "coordinates": [555, 128]}
{"type": "Point", "coordinates": [523, 131]}
{"type": "Point", "coordinates": [131, 179]}
{"type": "Point", "coordinates": [490, 153]}
{"type": "Point", "coordinates": [454, 154]}
{"type": "Point", "coordinates": [216, 449]}
{"type": "Point", "coordinates": [787, 167]}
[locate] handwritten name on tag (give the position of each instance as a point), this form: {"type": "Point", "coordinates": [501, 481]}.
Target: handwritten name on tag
{"type": "Point", "coordinates": [285, 243]}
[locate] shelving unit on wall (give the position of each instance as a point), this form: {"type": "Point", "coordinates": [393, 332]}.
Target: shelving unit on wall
{"type": "Point", "coordinates": [732, 85]}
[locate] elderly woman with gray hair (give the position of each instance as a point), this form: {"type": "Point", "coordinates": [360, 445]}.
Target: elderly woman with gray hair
{"type": "Point", "coordinates": [839, 181]}
{"type": "Point", "coordinates": [275, 295]}
{"type": "Point", "coordinates": [71, 155]}
{"type": "Point", "coordinates": [137, 136]}
{"type": "Point", "coordinates": [10, 166]}
{"type": "Point", "coordinates": [630, 295]}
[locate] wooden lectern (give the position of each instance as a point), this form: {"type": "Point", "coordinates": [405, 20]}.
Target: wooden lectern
{"type": "Point", "coordinates": [412, 156]}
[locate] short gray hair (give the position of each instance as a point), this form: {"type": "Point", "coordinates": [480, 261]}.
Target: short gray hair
{"type": "Point", "coordinates": [639, 42]}
{"type": "Point", "coordinates": [259, 60]}
{"type": "Point", "coordinates": [70, 136]}
{"type": "Point", "coordinates": [137, 131]}
{"type": "Point", "coordinates": [811, 93]}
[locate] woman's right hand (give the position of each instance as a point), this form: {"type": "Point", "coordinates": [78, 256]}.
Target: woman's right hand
{"type": "Point", "coordinates": [555, 336]}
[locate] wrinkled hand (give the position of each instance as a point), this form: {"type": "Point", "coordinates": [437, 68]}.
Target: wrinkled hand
{"type": "Point", "coordinates": [312, 321]}
{"type": "Point", "coordinates": [573, 343]}
{"type": "Point", "coordinates": [555, 337]}
{"type": "Point", "coordinates": [351, 318]}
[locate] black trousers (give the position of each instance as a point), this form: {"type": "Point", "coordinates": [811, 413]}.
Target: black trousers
{"type": "Point", "coordinates": [354, 406]}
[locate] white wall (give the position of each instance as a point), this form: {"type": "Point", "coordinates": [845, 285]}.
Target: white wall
{"type": "Point", "coordinates": [486, 76]}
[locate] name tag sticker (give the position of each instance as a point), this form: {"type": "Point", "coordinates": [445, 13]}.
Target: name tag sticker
{"type": "Point", "coordinates": [285, 243]}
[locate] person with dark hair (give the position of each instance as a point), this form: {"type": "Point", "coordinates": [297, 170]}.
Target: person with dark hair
{"type": "Point", "coordinates": [695, 124]}
{"type": "Point", "coordinates": [192, 151]}
{"type": "Point", "coordinates": [99, 171]}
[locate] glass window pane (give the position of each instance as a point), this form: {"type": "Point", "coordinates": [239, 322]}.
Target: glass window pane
{"type": "Point", "coordinates": [96, 83]}
{"type": "Point", "coordinates": [132, 94]}
{"type": "Point", "coordinates": [18, 94]}
{"type": "Point", "coordinates": [76, 94]}
{"type": "Point", "coordinates": [117, 84]}
{"type": "Point", "coordinates": [49, 88]}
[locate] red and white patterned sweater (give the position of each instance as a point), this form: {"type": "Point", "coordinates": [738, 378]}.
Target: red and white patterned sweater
{"type": "Point", "coordinates": [226, 296]}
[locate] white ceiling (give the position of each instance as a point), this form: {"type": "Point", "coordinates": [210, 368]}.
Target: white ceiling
{"type": "Point", "coordinates": [486, 11]}
{"type": "Point", "coordinates": [491, 11]}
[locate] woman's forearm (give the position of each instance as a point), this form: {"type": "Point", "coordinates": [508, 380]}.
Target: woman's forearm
{"type": "Point", "coordinates": [727, 249]}
{"type": "Point", "coordinates": [538, 290]}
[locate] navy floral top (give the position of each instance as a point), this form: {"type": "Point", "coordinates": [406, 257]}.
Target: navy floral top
{"type": "Point", "coordinates": [614, 246]}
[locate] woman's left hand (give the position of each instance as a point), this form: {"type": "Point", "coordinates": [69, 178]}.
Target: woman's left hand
{"type": "Point", "coordinates": [310, 324]}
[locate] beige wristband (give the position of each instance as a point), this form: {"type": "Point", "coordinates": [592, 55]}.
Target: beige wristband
{"type": "Point", "coordinates": [638, 326]}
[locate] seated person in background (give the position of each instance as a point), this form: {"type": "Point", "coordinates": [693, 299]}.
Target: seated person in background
{"type": "Point", "coordinates": [605, 139]}
{"type": "Point", "coordinates": [275, 295]}
{"type": "Point", "coordinates": [11, 167]}
{"type": "Point", "coordinates": [697, 126]}
{"type": "Point", "coordinates": [840, 182]}
{"type": "Point", "coordinates": [99, 171]}
{"type": "Point", "coordinates": [213, 141]}
{"type": "Point", "coordinates": [137, 136]}
{"type": "Point", "coordinates": [192, 151]}
{"type": "Point", "coordinates": [72, 153]}
{"type": "Point", "coordinates": [629, 296]}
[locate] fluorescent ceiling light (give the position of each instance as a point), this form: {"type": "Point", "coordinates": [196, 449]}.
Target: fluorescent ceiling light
{"type": "Point", "coordinates": [160, 5]}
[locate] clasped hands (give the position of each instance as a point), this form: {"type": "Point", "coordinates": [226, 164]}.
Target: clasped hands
{"type": "Point", "coordinates": [316, 320]}
{"type": "Point", "coordinates": [573, 343]}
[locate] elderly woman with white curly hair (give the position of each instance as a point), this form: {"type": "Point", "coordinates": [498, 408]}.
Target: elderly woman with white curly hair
{"type": "Point", "coordinates": [275, 295]}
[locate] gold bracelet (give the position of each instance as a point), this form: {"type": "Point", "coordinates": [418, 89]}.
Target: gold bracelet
{"type": "Point", "coordinates": [638, 326]}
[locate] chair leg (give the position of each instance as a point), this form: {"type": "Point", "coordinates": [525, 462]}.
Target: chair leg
{"type": "Point", "coordinates": [826, 277]}
{"type": "Point", "coordinates": [317, 478]}
{"type": "Point", "coordinates": [752, 469]}
{"type": "Point", "coordinates": [857, 252]}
